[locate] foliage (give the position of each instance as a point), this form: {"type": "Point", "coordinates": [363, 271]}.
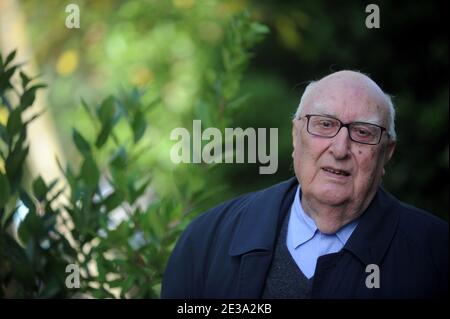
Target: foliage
{"type": "Point", "coordinates": [108, 216]}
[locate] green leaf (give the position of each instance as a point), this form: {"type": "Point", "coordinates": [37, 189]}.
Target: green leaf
{"type": "Point", "coordinates": [115, 283]}
{"type": "Point", "coordinates": [259, 28]}
{"type": "Point", "coordinates": [103, 135]}
{"type": "Point", "coordinates": [106, 111]}
{"type": "Point", "coordinates": [119, 159]}
{"type": "Point", "coordinates": [3, 134]}
{"type": "Point", "coordinates": [56, 195]}
{"type": "Point", "coordinates": [5, 190]}
{"type": "Point", "coordinates": [14, 124]}
{"type": "Point", "coordinates": [31, 227]}
{"type": "Point", "coordinates": [5, 79]}
{"type": "Point", "coordinates": [108, 117]}
{"type": "Point", "coordinates": [101, 269]}
{"type": "Point", "coordinates": [135, 193]}
{"type": "Point", "coordinates": [127, 284]}
{"type": "Point", "coordinates": [120, 234]}
{"type": "Point", "coordinates": [35, 116]}
{"type": "Point", "coordinates": [25, 79]}
{"type": "Point", "coordinates": [89, 172]}
{"type": "Point", "coordinates": [10, 57]}
{"type": "Point", "coordinates": [18, 144]}
{"type": "Point", "coordinates": [40, 189]}
{"type": "Point", "coordinates": [51, 185]}
{"type": "Point", "coordinates": [29, 95]}
{"type": "Point", "coordinates": [139, 125]}
{"type": "Point", "coordinates": [14, 164]}
{"type": "Point", "coordinates": [82, 145]}
{"type": "Point", "coordinates": [113, 200]}
{"type": "Point", "coordinates": [87, 109]}
{"type": "Point", "coordinates": [120, 180]}
{"type": "Point", "coordinates": [8, 216]}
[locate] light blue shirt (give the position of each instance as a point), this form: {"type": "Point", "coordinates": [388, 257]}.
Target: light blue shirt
{"type": "Point", "coordinates": [306, 243]}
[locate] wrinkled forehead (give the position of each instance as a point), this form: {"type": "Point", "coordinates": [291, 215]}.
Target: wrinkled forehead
{"type": "Point", "coordinates": [351, 99]}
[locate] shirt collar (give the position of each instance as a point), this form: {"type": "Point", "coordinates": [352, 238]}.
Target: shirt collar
{"type": "Point", "coordinates": [307, 228]}
{"type": "Point", "coordinates": [303, 224]}
{"type": "Point", "coordinates": [346, 231]}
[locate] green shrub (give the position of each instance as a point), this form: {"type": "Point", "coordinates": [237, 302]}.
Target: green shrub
{"type": "Point", "coordinates": [74, 221]}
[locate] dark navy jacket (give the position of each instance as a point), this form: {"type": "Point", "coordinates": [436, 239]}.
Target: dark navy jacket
{"type": "Point", "coordinates": [227, 251]}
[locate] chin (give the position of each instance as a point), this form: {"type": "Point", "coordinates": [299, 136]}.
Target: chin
{"type": "Point", "coordinates": [333, 196]}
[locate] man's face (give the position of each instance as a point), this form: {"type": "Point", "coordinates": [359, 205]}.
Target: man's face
{"type": "Point", "coordinates": [315, 158]}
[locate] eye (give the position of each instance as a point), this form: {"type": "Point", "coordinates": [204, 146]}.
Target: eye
{"type": "Point", "coordinates": [362, 131]}
{"type": "Point", "coordinates": [326, 123]}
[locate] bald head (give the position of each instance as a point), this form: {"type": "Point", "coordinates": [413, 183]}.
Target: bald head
{"type": "Point", "coordinates": [355, 86]}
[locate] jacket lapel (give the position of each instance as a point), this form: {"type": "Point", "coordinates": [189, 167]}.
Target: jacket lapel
{"type": "Point", "coordinates": [256, 235]}
{"type": "Point", "coordinates": [373, 235]}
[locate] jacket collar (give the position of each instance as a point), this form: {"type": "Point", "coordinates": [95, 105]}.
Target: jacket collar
{"type": "Point", "coordinates": [375, 230]}
{"type": "Point", "coordinates": [267, 208]}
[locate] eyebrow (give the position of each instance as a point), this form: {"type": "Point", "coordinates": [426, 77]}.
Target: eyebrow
{"type": "Point", "coordinates": [320, 109]}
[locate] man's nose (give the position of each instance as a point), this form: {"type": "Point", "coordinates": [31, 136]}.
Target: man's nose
{"type": "Point", "coordinates": [340, 145]}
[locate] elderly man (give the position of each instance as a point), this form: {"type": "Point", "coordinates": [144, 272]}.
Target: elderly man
{"type": "Point", "coordinates": [331, 232]}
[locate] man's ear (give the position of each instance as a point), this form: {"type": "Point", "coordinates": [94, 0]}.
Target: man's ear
{"type": "Point", "coordinates": [389, 151]}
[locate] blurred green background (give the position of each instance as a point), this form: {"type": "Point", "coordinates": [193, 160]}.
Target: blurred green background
{"type": "Point", "coordinates": [180, 60]}
{"type": "Point", "coordinates": [166, 47]}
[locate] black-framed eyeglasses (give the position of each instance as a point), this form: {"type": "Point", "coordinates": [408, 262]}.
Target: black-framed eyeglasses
{"type": "Point", "coordinates": [360, 132]}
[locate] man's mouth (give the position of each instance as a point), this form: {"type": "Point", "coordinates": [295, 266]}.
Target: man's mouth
{"type": "Point", "coordinates": [336, 171]}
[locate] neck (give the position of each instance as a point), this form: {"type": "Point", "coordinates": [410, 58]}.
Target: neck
{"type": "Point", "coordinates": [329, 219]}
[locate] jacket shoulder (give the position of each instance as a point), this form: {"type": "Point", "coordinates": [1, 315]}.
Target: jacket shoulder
{"type": "Point", "coordinates": [425, 235]}
{"type": "Point", "coordinates": [229, 211]}
{"type": "Point", "coordinates": [207, 235]}
{"type": "Point", "coordinates": [417, 222]}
